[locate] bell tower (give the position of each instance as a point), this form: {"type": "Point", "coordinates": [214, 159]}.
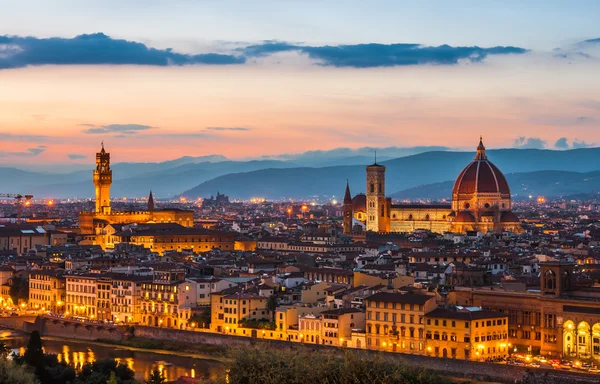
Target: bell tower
{"type": "Point", "coordinates": [348, 211]}
{"type": "Point", "coordinates": [103, 181]}
{"type": "Point", "coordinates": [377, 209]}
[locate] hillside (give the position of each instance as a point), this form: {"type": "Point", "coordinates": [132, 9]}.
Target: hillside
{"type": "Point", "coordinates": [402, 173]}
{"type": "Point", "coordinates": [540, 183]}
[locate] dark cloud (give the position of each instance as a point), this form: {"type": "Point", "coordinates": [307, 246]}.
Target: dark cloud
{"type": "Point", "coordinates": [381, 55]}
{"type": "Point", "coordinates": [581, 144]}
{"type": "Point", "coordinates": [227, 129]}
{"type": "Point", "coordinates": [97, 48]}
{"type": "Point", "coordinates": [30, 152]}
{"type": "Point", "coordinates": [561, 143]}
{"type": "Point", "coordinates": [122, 129]}
{"type": "Point", "coordinates": [529, 143]}
{"type": "Point", "coordinates": [75, 156]}
{"type": "Point", "coordinates": [23, 137]}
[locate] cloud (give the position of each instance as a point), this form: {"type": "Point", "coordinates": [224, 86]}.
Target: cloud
{"type": "Point", "coordinates": [591, 41]}
{"type": "Point", "coordinates": [581, 144]}
{"type": "Point", "coordinates": [122, 129]}
{"type": "Point", "coordinates": [562, 121]}
{"type": "Point", "coordinates": [75, 156]}
{"type": "Point", "coordinates": [96, 48]}
{"type": "Point", "coordinates": [529, 143]}
{"type": "Point", "coordinates": [381, 55]}
{"type": "Point", "coordinates": [227, 129]}
{"type": "Point", "coordinates": [30, 152]}
{"type": "Point", "coordinates": [561, 143]}
{"type": "Point", "coordinates": [23, 137]}
{"type": "Point", "coordinates": [100, 49]}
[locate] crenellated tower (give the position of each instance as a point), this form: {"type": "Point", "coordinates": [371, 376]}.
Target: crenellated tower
{"type": "Point", "coordinates": [103, 181]}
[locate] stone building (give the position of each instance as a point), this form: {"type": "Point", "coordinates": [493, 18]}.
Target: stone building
{"type": "Point", "coordinates": [561, 320]}
{"type": "Point", "coordinates": [481, 201]}
{"type": "Point", "coordinates": [95, 223]}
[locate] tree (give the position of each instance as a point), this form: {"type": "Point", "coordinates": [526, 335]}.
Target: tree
{"type": "Point", "coordinates": [156, 377]}
{"type": "Point", "coordinates": [34, 353]}
{"type": "Point", "coordinates": [10, 372]}
{"type": "Point", "coordinates": [272, 304]}
{"type": "Point", "coordinates": [112, 379]}
{"type": "Point", "coordinates": [19, 289]}
{"type": "Point", "coordinates": [4, 350]}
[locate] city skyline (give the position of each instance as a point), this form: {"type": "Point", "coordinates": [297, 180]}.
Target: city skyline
{"type": "Point", "coordinates": [245, 82]}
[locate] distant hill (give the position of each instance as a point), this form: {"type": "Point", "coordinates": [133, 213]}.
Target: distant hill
{"type": "Point", "coordinates": [402, 173]}
{"type": "Point", "coordinates": [277, 179]}
{"type": "Point", "coordinates": [540, 183]}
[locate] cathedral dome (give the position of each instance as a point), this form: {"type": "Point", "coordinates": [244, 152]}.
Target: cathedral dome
{"type": "Point", "coordinates": [481, 176]}
{"type": "Point", "coordinates": [359, 203]}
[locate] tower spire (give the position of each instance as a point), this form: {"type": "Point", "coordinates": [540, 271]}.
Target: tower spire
{"type": "Point", "coordinates": [347, 196]}
{"type": "Point", "coordinates": [151, 202]}
{"type": "Point", "coordinates": [480, 150]}
{"type": "Point", "coordinates": [376, 157]}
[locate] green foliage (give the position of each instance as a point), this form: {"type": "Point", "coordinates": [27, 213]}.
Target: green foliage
{"type": "Point", "coordinates": [257, 324]}
{"type": "Point", "coordinates": [19, 289]}
{"type": "Point", "coordinates": [12, 373]}
{"type": "Point", "coordinates": [4, 350]}
{"type": "Point", "coordinates": [272, 304]}
{"type": "Point", "coordinates": [303, 365]}
{"type": "Point", "coordinates": [112, 379]}
{"type": "Point", "coordinates": [34, 353]}
{"type": "Point", "coordinates": [156, 377]}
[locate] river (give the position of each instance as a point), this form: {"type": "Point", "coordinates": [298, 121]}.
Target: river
{"type": "Point", "coordinates": [77, 353]}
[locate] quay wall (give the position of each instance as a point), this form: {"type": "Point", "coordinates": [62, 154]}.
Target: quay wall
{"type": "Point", "coordinates": [456, 368]}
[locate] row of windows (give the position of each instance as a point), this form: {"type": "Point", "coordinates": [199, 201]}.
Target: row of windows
{"type": "Point", "coordinates": [401, 306]}
{"type": "Point", "coordinates": [393, 318]}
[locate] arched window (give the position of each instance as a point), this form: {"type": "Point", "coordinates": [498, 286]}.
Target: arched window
{"type": "Point", "coordinates": [410, 217]}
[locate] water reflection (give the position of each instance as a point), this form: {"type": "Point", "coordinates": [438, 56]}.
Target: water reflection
{"type": "Point", "coordinates": [142, 363]}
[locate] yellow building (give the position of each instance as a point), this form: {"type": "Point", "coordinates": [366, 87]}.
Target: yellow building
{"type": "Point", "coordinates": [95, 223]}
{"type": "Point", "coordinates": [161, 238]}
{"type": "Point", "coordinates": [47, 291]}
{"type": "Point", "coordinates": [230, 310]}
{"type": "Point", "coordinates": [337, 326]}
{"type": "Point", "coordinates": [481, 201]}
{"type": "Point", "coordinates": [103, 303]}
{"type": "Point", "coordinates": [126, 298]}
{"type": "Point", "coordinates": [467, 335]}
{"type": "Point", "coordinates": [82, 296]}
{"type": "Point", "coordinates": [396, 322]}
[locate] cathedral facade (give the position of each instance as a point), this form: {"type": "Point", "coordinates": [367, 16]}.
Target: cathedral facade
{"type": "Point", "coordinates": [481, 201]}
{"type": "Point", "coordinates": [93, 225]}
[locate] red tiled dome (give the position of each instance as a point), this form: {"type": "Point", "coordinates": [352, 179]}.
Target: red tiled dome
{"type": "Point", "coordinates": [359, 203]}
{"type": "Point", "coordinates": [481, 176]}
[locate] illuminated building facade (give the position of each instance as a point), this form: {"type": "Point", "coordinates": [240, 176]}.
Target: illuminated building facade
{"type": "Point", "coordinates": [559, 321]}
{"type": "Point", "coordinates": [82, 296]}
{"type": "Point", "coordinates": [47, 291]}
{"type": "Point", "coordinates": [467, 335]}
{"type": "Point", "coordinates": [396, 322]}
{"type": "Point", "coordinates": [481, 201]}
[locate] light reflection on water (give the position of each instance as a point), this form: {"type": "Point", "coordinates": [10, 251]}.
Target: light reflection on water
{"type": "Point", "coordinates": [77, 354]}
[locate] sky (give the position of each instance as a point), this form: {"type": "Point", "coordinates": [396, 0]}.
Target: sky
{"type": "Point", "coordinates": [157, 80]}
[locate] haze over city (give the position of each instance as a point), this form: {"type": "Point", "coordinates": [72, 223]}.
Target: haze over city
{"type": "Point", "coordinates": [263, 78]}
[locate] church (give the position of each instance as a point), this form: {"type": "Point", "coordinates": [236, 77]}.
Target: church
{"type": "Point", "coordinates": [96, 226]}
{"type": "Point", "coordinates": [481, 201]}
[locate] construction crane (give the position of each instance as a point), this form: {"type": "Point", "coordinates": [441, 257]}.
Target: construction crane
{"type": "Point", "coordinates": [19, 201]}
